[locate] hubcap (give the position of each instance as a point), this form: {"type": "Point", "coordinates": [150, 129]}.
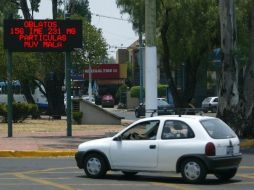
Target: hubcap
{"type": "Point", "coordinates": [93, 166]}
{"type": "Point", "coordinates": [192, 170]}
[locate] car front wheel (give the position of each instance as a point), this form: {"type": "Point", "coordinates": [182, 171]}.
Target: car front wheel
{"type": "Point", "coordinates": [225, 175]}
{"type": "Point", "coordinates": [95, 166]}
{"type": "Point", "coordinates": [193, 171]}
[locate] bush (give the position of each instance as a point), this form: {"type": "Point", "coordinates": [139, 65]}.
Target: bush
{"type": "Point", "coordinates": [33, 111]}
{"type": "Point", "coordinates": [77, 116]}
{"type": "Point", "coordinates": [121, 94]}
{"type": "Point", "coordinates": [134, 92]}
{"type": "Point", "coordinates": [3, 112]}
{"type": "Point", "coordinates": [162, 91]}
{"type": "Point", "coordinates": [20, 112]}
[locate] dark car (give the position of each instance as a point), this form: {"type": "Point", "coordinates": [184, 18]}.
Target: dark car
{"type": "Point", "coordinates": [164, 108]}
{"type": "Point", "coordinates": [107, 101]}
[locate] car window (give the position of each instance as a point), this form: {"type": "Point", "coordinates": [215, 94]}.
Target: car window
{"type": "Point", "coordinates": [215, 100]}
{"type": "Point", "coordinates": [176, 130]}
{"type": "Point", "coordinates": [217, 129]}
{"type": "Point", "coordinates": [162, 102]}
{"type": "Point", "coordinates": [142, 131]}
{"type": "Point", "coordinates": [208, 99]}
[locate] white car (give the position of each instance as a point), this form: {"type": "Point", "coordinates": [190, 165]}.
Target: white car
{"type": "Point", "coordinates": [191, 145]}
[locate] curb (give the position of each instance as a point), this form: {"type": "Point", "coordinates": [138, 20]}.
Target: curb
{"type": "Point", "coordinates": [43, 153]}
{"type": "Point", "coordinates": [247, 143]}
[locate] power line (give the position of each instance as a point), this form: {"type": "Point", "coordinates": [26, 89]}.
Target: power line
{"type": "Point", "coordinates": [110, 17]}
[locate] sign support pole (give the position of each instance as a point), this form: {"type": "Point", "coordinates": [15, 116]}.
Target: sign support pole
{"type": "Point", "coordinates": [10, 94]}
{"type": "Point", "coordinates": [68, 92]}
{"type": "Point", "coordinates": [68, 89]}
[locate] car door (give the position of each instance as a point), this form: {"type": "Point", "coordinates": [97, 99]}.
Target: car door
{"type": "Point", "coordinates": [136, 148]}
{"type": "Point", "coordinates": [177, 139]}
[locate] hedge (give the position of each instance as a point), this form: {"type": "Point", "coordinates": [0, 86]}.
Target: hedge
{"type": "Point", "coordinates": [21, 111]}
{"type": "Point", "coordinates": [162, 91]}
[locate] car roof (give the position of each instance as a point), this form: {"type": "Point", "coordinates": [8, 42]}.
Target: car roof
{"type": "Point", "coordinates": [178, 117]}
{"type": "Point", "coordinates": [212, 97]}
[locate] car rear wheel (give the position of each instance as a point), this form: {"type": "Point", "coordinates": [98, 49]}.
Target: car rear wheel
{"type": "Point", "coordinates": [193, 171]}
{"type": "Point", "coordinates": [225, 175]}
{"type": "Point", "coordinates": [137, 114]}
{"type": "Point", "coordinates": [95, 166]}
{"type": "Point", "coordinates": [214, 109]}
{"type": "Point", "coordinates": [205, 110]}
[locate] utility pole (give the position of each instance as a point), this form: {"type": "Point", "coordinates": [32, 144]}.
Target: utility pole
{"type": "Point", "coordinates": [150, 58]}
{"type": "Point", "coordinates": [68, 88]}
{"type": "Point", "coordinates": [10, 93]}
{"type": "Point", "coordinates": [141, 73]}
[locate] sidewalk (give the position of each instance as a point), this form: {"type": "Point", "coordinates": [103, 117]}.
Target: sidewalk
{"type": "Point", "coordinates": [43, 138]}
{"type": "Point", "coordinates": [25, 143]}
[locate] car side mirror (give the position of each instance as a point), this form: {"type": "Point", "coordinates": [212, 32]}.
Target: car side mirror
{"type": "Point", "coordinates": [118, 138]}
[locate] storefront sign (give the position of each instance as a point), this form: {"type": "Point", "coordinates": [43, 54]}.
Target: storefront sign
{"type": "Point", "coordinates": [103, 71]}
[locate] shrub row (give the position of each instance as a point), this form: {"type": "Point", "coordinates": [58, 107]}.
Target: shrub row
{"type": "Point", "coordinates": [162, 91]}
{"type": "Point", "coordinates": [20, 111]}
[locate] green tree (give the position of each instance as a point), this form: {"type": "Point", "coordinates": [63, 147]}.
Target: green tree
{"type": "Point", "coordinates": [94, 47]}
{"type": "Point", "coordinates": [188, 32]}
{"type": "Point", "coordinates": [48, 68]}
{"type": "Point", "coordinates": [81, 8]}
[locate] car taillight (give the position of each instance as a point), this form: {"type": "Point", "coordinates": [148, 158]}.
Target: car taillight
{"type": "Point", "coordinates": [210, 149]}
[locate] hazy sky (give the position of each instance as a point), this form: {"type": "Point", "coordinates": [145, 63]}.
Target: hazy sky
{"type": "Point", "coordinates": [118, 33]}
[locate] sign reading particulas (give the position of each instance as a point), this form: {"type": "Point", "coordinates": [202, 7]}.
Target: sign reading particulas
{"type": "Point", "coordinates": [42, 35]}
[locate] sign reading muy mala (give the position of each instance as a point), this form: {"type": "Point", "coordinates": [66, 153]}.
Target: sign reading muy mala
{"type": "Point", "coordinates": [42, 35]}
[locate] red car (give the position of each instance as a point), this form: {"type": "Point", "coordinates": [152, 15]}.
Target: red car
{"type": "Point", "coordinates": [107, 101]}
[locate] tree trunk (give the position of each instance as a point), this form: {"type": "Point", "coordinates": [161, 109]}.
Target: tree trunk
{"type": "Point", "coordinates": [228, 93]}
{"type": "Point", "coordinates": [54, 9]}
{"type": "Point", "coordinates": [247, 99]}
{"type": "Point", "coordinates": [55, 97]}
{"type": "Point", "coordinates": [25, 9]}
{"type": "Point", "coordinates": [166, 60]}
{"type": "Point", "coordinates": [26, 91]}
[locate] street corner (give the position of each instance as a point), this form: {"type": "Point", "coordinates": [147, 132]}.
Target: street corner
{"type": "Point", "coordinates": [37, 153]}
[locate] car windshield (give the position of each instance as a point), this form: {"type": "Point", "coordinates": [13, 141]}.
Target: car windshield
{"type": "Point", "coordinates": [217, 129]}
{"type": "Point", "coordinates": [162, 102]}
{"type": "Point", "coordinates": [207, 99]}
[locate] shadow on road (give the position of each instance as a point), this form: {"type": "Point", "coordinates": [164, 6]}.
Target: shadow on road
{"type": "Point", "coordinates": [161, 179]}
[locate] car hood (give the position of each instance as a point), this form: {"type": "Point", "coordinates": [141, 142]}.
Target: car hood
{"type": "Point", "coordinates": [98, 144]}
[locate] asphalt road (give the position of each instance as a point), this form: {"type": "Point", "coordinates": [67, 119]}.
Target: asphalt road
{"type": "Point", "coordinates": [62, 174]}
{"type": "Point", "coordinates": [130, 115]}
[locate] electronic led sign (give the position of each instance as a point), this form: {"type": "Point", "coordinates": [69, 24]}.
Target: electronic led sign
{"type": "Point", "coordinates": [42, 35]}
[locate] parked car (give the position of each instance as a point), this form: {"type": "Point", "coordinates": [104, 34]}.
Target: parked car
{"type": "Point", "coordinates": [164, 108]}
{"type": "Point", "coordinates": [210, 104]}
{"type": "Point", "coordinates": [86, 97]}
{"type": "Point", "coordinates": [107, 101]}
{"type": "Point", "coordinates": [191, 145]}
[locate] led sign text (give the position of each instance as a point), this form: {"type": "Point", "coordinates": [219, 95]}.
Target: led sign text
{"type": "Point", "coordinates": [42, 35]}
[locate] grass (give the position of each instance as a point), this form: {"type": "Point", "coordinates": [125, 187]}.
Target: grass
{"type": "Point", "coordinates": [47, 126]}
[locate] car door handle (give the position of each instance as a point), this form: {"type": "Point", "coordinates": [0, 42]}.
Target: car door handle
{"type": "Point", "coordinates": [152, 146]}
